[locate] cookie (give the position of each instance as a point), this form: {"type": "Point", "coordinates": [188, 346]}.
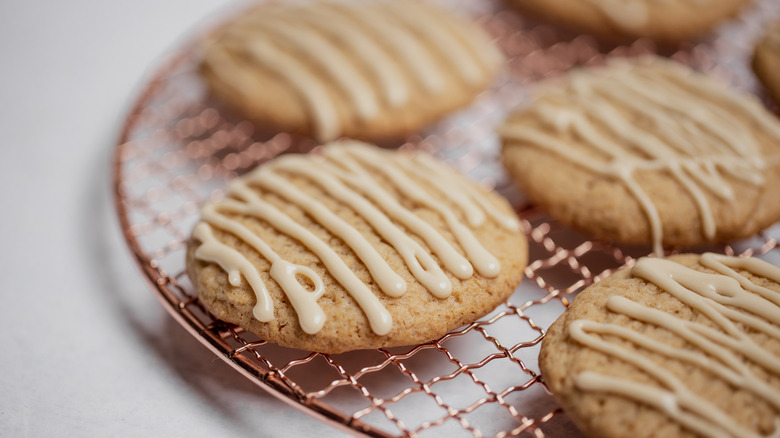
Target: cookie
{"type": "Point", "coordinates": [766, 60]}
{"type": "Point", "coordinates": [678, 347]}
{"type": "Point", "coordinates": [663, 21]}
{"type": "Point", "coordinates": [369, 70]}
{"type": "Point", "coordinates": [646, 151]}
{"type": "Point", "coordinates": [355, 247]}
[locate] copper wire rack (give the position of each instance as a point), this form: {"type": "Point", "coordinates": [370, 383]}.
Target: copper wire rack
{"type": "Point", "coordinates": [179, 149]}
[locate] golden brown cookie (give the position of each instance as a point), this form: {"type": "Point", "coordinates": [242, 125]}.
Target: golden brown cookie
{"type": "Point", "coordinates": [332, 68]}
{"type": "Point", "coordinates": [646, 151]}
{"type": "Point", "coordinates": [664, 21]}
{"type": "Point", "coordinates": [355, 247]}
{"type": "Point", "coordinates": [766, 60]}
{"type": "Point", "coordinates": [679, 347]}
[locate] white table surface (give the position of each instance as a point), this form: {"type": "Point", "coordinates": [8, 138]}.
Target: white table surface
{"type": "Point", "coordinates": [81, 350]}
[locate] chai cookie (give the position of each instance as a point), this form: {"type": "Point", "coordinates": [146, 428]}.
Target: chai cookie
{"type": "Point", "coordinates": [766, 60]}
{"type": "Point", "coordinates": [664, 21]}
{"type": "Point", "coordinates": [646, 151]}
{"type": "Point", "coordinates": [331, 68]}
{"type": "Point", "coordinates": [678, 347]}
{"type": "Point", "coordinates": [355, 247]}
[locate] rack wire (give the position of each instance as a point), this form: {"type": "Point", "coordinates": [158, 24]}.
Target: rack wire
{"type": "Point", "coordinates": [178, 149]}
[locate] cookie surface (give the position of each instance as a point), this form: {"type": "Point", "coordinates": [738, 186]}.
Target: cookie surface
{"type": "Point", "coordinates": [355, 247]}
{"type": "Point", "coordinates": [664, 21]}
{"type": "Point", "coordinates": [370, 70]}
{"type": "Point", "coordinates": [684, 346]}
{"type": "Point", "coordinates": [645, 151]}
{"type": "Point", "coordinates": [766, 60]}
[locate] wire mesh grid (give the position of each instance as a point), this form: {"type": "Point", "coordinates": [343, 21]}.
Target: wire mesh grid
{"type": "Point", "coordinates": [178, 149]}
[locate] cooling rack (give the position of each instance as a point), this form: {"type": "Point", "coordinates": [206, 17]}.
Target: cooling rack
{"type": "Point", "coordinates": [178, 149]}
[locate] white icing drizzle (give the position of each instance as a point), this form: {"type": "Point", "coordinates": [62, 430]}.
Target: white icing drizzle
{"type": "Point", "coordinates": [629, 14]}
{"type": "Point", "coordinates": [420, 263]}
{"type": "Point", "coordinates": [403, 46]}
{"type": "Point", "coordinates": [236, 265]}
{"type": "Point", "coordinates": [388, 281]}
{"type": "Point", "coordinates": [486, 264]}
{"type": "Point", "coordinates": [309, 86]}
{"type": "Point", "coordinates": [472, 37]}
{"type": "Point", "coordinates": [471, 202]}
{"type": "Point", "coordinates": [360, 180]}
{"type": "Point", "coordinates": [346, 173]}
{"type": "Point", "coordinates": [325, 55]}
{"type": "Point", "coordinates": [726, 299]}
{"type": "Point", "coordinates": [374, 54]}
{"type": "Point", "coordinates": [392, 85]}
{"type": "Point", "coordinates": [692, 133]}
{"type": "Point", "coordinates": [419, 20]}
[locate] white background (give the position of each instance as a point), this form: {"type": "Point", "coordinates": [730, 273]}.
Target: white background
{"type": "Point", "coordinates": [85, 347]}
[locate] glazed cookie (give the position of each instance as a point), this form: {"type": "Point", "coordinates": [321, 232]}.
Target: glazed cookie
{"type": "Point", "coordinates": [355, 247]}
{"type": "Point", "coordinates": [331, 68]}
{"type": "Point", "coordinates": [766, 60]}
{"type": "Point", "coordinates": [664, 21]}
{"type": "Point", "coordinates": [645, 151]}
{"type": "Point", "coordinates": [678, 347]}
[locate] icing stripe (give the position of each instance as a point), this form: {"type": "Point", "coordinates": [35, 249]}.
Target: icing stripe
{"type": "Point", "coordinates": [423, 267]}
{"type": "Point", "coordinates": [236, 265]}
{"type": "Point", "coordinates": [473, 204]}
{"type": "Point", "coordinates": [378, 317]}
{"type": "Point", "coordinates": [485, 263]}
{"type": "Point", "coordinates": [413, 56]}
{"type": "Point", "coordinates": [327, 58]}
{"type": "Point", "coordinates": [631, 15]}
{"type": "Point", "coordinates": [473, 38]}
{"type": "Point", "coordinates": [388, 281]}
{"type": "Point", "coordinates": [456, 54]}
{"type": "Point", "coordinates": [394, 89]}
{"type": "Point", "coordinates": [346, 172]}
{"type": "Point", "coordinates": [442, 180]}
{"type": "Point", "coordinates": [725, 298]}
{"type": "Point", "coordinates": [310, 88]}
